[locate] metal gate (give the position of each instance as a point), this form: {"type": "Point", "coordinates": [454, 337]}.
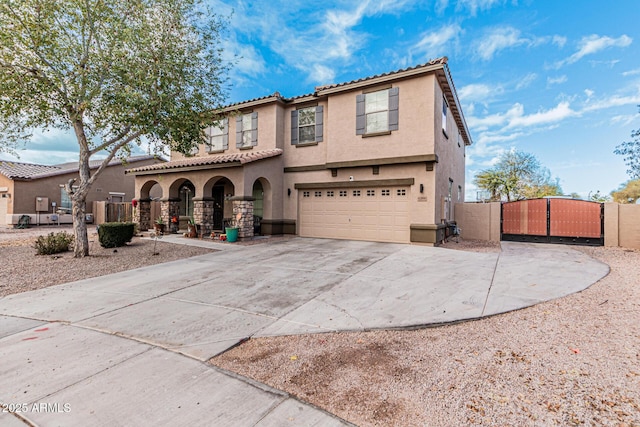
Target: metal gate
{"type": "Point", "coordinates": [568, 221]}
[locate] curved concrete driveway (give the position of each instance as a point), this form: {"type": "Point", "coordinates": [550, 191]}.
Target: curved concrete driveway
{"type": "Point", "coordinates": [114, 347]}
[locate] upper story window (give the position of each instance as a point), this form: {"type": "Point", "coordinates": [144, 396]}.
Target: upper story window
{"type": "Point", "coordinates": [444, 115]}
{"type": "Point", "coordinates": [307, 125]}
{"type": "Point", "coordinates": [377, 112]}
{"type": "Point", "coordinates": [217, 136]}
{"type": "Point", "coordinates": [247, 130]}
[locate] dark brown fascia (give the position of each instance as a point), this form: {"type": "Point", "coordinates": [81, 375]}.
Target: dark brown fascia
{"type": "Point", "coordinates": [355, 184]}
{"type": "Point", "coordinates": [427, 158]}
{"type": "Point", "coordinates": [446, 83]}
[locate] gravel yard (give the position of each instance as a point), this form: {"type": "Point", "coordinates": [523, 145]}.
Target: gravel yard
{"type": "Point", "coordinates": [572, 361]}
{"type": "Point", "coordinates": [22, 270]}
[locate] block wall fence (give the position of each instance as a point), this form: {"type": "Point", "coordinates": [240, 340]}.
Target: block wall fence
{"type": "Point", "coordinates": [481, 221]}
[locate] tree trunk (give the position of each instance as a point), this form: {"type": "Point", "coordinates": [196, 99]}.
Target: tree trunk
{"type": "Point", "coordinates": [80, 227]}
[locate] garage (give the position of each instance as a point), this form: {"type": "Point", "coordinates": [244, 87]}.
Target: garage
{"type": "Point", "coordinates": [379, 214]}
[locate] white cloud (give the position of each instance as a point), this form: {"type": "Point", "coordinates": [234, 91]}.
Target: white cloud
{"type": "Point", "coordinates": [478, 92]}
{"type": "Point", "coordinates": [631, 72]}
{"type": "Point", "coordinates": [594, 43]}
{"type": "Point", "coordinates": [559, 41]}
{"type": "Point", "coordinates": [499, 39]}
{"type": "Point", "coordinates": [556, 80]}
{"type": "Point", "coordinates": [553, 115]}
{"type": "Point", "coordinates": [474, 5]}
{"type": "Point", "coordinates": [612, 101]}
{"type": "Point", "coordinates": [320, 73]}
{"type": "Point", "coordinates": [526, 81]}
{"type": "Point", "coordinates": [433, 43]}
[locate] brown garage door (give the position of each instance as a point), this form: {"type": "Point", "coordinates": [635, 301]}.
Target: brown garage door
{"type": "Point", "coordinates": [378, 214]}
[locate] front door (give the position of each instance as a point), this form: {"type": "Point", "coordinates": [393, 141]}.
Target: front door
{"type": "Point", "coordinates": [218, 207]}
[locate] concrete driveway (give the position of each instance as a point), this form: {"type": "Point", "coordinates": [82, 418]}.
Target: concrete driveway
{"type": "Point", "coordinates": [128, 349]}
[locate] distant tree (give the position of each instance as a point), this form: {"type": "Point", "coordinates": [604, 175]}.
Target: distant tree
{"type": "Point", "coordinates": [114, 72]}
{"type": "Point", "coordinates": [600, 198]}
{"type": "Point", "coordinates": [629, 192]}
{"type": "Point", "coordinates": [575, 196]}
{"type": "Point", "coordinates": [516, 176]}
{"type": "Point", "coordinates": [631, 152]}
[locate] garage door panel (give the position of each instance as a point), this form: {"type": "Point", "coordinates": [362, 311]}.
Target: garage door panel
{"type": "Point", "coordinates": [377, 214]}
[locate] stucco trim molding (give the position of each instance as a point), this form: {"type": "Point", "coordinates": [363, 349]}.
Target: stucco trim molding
{"type": "Point", "coordinates": [426, 158]}
{"type": "Point", "coordinates": [355, 184]}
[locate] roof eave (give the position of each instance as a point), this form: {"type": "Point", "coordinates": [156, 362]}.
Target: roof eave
{"type": "Point", "coordinates": [381, 79]}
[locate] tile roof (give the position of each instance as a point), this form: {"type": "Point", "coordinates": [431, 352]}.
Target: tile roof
{"type": "Point", "coordinates": [238, 158]}
{"type": "Point", "coordinates": [16, 170]}
{"type": "Point", "coordinates": [438, 61]}
{"type": "Point", "coordinates": [276, 96]}
{"type": "Point", "coordinates": [30, 171]}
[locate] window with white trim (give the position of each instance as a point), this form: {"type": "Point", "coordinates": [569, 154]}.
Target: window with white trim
{"type": "Point", "coordinates": [307, 125]}
{"type": "Point", "coordinates": [247, 130]}
{"type": "Point", "coordinates": [444, 114]}
{"type": "Point", "coordinates": [217, 136]}
{"type": "Point", "coordinates": [377, 112]}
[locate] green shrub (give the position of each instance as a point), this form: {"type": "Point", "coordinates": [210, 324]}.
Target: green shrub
{"type": "Point", "coordinates": [53, 243]}
{"type": "Point", "coordinates": [115, 234]}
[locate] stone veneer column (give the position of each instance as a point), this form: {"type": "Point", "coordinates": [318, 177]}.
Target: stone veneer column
{"type": "Point", "coordinates": [203, 215]}
{"type": "Point", "coordinates": [243, 205]}
{"type": "Point", "coordinates": [169, 208]}
{"type": "Point", "coordinates": [142, 214]}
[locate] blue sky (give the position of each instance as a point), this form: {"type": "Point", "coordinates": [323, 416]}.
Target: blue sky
{"type": "Point", "coordinates": [559, 79]}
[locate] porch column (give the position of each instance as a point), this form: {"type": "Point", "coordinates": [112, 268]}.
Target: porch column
{"type": "Point", "coordinates": [169, 208]}
{"type": "Point", "coordinates": [142, 214]}
{"type": "Point", "coordinates": [243, 213]}
{"type": "Point", "coordinates": [203, 214]}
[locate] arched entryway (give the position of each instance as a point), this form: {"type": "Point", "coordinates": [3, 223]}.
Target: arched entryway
{"type": "Point", "coordinates": [147, 205]}
{"type": "Point", "coordinates": [262, 203]}
{"type": "Point", "coordinates": [217, 191]}
{"type": "Point", "coordinates": [186, 193]}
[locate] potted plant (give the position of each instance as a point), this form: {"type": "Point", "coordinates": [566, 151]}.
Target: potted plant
{"type": "Point", "coordinates": [159, 225]}
{"type": "Point", "coordinates": [192, 230]}
{"type": "Point", "coordinates": [232, 230]}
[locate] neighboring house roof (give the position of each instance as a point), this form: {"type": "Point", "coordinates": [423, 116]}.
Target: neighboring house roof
{"type": "Point", "coordinates": [30, 171]}
{"type": "Point", "coordinates": [204, 162]}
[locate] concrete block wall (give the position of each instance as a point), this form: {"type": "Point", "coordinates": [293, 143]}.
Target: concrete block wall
{"type": "Point", "coordinates": [622, 225]}
{"type": "Point", "coordinates": [481, 221]}
{"type": "Point", "coordinates": [478, 221]}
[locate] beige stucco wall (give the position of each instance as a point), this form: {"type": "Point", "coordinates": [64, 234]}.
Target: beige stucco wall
{"type": "Point", "coordinates": [478, 221]}
{"type": "Point", "coordinates": [307, 154]}
{"type": "Point", "coordinates": [450, 150]}
{"type": "Point", "coordinates": [622, 225]}
{"type": "Point", "coordinates": [421, 204]}
{"type": "Point", "coordinates": [270, 134]}
{"type": "Point", "coordinates": [6, 197]}
{"type": "Point", "coordinates": [416, 108]}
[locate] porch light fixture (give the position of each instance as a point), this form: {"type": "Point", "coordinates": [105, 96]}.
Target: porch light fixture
{"type": "Point", "coordinates": [288, 192]}
{"type": "Point", "coordinates": [422, 188]}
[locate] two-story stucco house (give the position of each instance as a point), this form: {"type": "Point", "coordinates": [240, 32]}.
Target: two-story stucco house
{"type": "Point", "coordinates": [380, 158]}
